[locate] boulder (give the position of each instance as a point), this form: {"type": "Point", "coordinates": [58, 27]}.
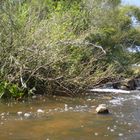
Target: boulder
{"type": "Point", "coordinates": [127, 84]}
{"type": "Point", "coordinates": [124, 87]}
{"type": "Point", "coordinates": [131, 84]}
{"type": "Point", "coordinates": [102, 109]}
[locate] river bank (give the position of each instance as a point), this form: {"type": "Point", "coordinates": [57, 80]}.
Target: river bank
{"type": "Point", "coordinates": [63, 48]}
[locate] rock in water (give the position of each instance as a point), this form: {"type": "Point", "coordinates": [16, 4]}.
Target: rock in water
{"type": "Point", "coordinates": [40, 111]}
{"type": "Point", "coordinates": [19, 113]}
{"type": "Point", "coordinates": [27, 115]}
{"type": "Point", "coordinates": [102, 109]}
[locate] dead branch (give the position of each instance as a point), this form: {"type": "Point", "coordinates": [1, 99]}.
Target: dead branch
{"type": "Point", "coordinates": [80, 43]}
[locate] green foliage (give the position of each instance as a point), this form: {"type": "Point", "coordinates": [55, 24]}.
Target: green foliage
{"type": "Point", "coordinates": [10, 90]}
{"type": "Point", "coordinates": [58, 36]}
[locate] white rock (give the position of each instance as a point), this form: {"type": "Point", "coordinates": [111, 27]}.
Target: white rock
{"type": "Point", "coordinates": [130, 124]}
{"type": "Point", "coordinates": [70, 108]}
{"type": "Point", "coordinates": [96, 134]}
{"type": "Point", "coordinates": [34, 97]}
{"type": "Point", "coordinates": [2, 117]}
{"type": "Point", "coordinates": [102, 109]}
{"type": "Point", "coordinates": [27, 115]}
{"type": "Point", "coordinates": [112, 130]}
{"type": "Point", "coordinates": [66, 107]}
{"type": "Point", "coordinates": [2, 114]}
{"type": "Point", "coordinates": [108, 128]}
{"type": "Point", "coordinates": [40, 111]}
{"type": "Point", "coordinates": [102, 105]}
{"type": "Point", "coordinates": [19, 113]}
{"type": "Point", "coordinates": [120, 134]}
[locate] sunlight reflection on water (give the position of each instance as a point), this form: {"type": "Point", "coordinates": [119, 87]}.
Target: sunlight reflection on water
{"type": "Point", "coordinates": [71, 119]}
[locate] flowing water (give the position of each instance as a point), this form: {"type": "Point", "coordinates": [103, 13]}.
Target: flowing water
{"type": "Point", "coordinates": [60, 118]}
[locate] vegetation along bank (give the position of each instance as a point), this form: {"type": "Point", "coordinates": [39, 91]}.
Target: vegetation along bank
{"type": "Point", "coordinates": [63, 47]}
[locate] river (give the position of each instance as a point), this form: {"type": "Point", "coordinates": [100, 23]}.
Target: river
{"type": "Point", "coordinates": [63, 118]}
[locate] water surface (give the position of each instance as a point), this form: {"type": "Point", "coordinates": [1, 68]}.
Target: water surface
{"type": "Point", "coordinates": [62, 118]}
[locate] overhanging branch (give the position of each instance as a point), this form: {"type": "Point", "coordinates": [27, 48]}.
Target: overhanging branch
{"type": "Point", "coordinates": [80, 43]}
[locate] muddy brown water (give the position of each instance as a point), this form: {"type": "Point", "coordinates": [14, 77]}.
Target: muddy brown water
{"type": "Point", "coordinates": [60, 118]}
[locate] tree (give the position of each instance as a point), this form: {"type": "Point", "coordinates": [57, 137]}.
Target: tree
{"type": "Point", "coordinates": [113, 29]}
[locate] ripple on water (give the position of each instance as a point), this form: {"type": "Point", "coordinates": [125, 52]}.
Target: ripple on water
{"type": "Point", "coordinates": [117, 101]}
{"type": "Point", "coordinates": [114, 126]}
{"type": "Point", "coordinates": [136, 97]}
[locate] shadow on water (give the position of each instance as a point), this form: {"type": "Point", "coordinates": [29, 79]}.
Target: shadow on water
{"type": "Point", "coordinates": [71, 119]}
